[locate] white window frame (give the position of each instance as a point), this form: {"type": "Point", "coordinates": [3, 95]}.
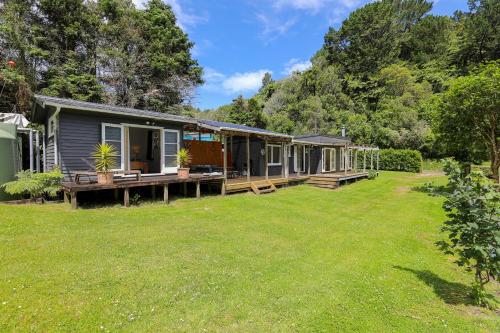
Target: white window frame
{"type": "Point", "coordinates": [122, 142]}
{"type": "Point", "coordinates": [271, 155]}
{"type": "Point", "coordinates": [332, 159]}
{"type": "Point", "coordinates": [342, 159]}
{"type": "Point", "coordinates": [166, 169]}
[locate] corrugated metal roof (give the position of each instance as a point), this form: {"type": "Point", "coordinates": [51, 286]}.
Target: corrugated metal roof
{"type": "Point", "coordinates": [220, 125]}
{"type": "Point", "coordinates": [322, 139]}
{"type": "Point", "coordinates": [106, 108]}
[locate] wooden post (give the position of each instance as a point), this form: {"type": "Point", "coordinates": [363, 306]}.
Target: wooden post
{"type": "Point", "coordinates": [224, 147]}
{"type": "Point", "coordinates": [356, 160]}
{"type": "Point", "coordinates": [74, 200]}
{"type": "Point", "coordinates": [308, 160]}
{"type": "Point", "coordinates": [378, 159]}
{"type": "Point", "coordinates": [371, 159]}
{"type": "Point", "coordinates": [184, 189]}
{"type": "Point", "coordinates": [165, 193]}
{"type": "Point", "coordinates": [282, 160]}
{"type": "Point", "coordinates": [345, 159]}
{"type": "Point", "coordinates": [126, 197]}
{"type": "Point", "coordinates": [364, 160]}
{"type": "Point", "coordinates": [153, 192]}
{"type": "Point", "coordinates": [66, 199]}
{"type": "Point", "coordinates": [248, 159]}
{"type": "Point", "coordinates": [223, 187]}
{"type": "Point", "coordinates": [287, 159]}
{"type": "Point", "coordinates": [198, 191]}
{"type": "Point", "coordinates": [265, 160]}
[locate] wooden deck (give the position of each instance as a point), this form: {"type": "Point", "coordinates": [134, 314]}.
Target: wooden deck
{"type": "Point", "coordinates": [71, 190]}
{"type": "Point", "coordinates": [335, 179]}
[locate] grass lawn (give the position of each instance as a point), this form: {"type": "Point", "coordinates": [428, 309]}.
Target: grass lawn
{"type": "Point", "coordinates": [361, 258]}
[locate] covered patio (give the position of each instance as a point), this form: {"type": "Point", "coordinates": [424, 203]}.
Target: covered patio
{"type": "Point", "coordinates": [252, 158]}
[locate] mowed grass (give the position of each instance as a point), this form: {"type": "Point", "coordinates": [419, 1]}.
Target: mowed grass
{"type": "Point", "coordinates": [361, 258]}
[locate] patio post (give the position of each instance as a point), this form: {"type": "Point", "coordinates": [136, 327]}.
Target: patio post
{"type": "Point", "coordinates": [356, 160]}
{"type": "Point", "coordinates": [378, 159]}
{"type": "Point", "coordinates": [224, 148]}
{"type": "Point", "coordinates": [248, 158]}
{"type": "Point", "coordinates": [265, 160]}
{"type": "Point", "coordinates": [371, 159]}
{"type": "Point", "coordinates": [364, 160]}
{"type": "Point", "coordinates": [346, 159]}
{"type": "Point", "coordinates": [282, 160]}
{"type": "Point", "coordinates": [287, 159]}
{"type": "Point", "coordinates": [309, 160]}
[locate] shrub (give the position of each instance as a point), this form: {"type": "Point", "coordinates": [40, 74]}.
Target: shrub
{"type": "Point", "coordinates": [473, 227]}
{"type": "Point", "coordinates": [372, 174]}
{"type": "Point", "coordinates": [35, 185]}
{"type": "Point", "coordinates": [400, 160]}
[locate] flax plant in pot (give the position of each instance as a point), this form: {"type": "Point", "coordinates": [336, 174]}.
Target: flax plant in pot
{"type": "Point", "coordinates": [183, 160]}
{"type": "Point", "coordinates": [105, 157]}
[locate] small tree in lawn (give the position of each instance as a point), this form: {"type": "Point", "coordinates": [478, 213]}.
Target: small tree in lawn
{"type": "Point", "coordinates": [473, 227]}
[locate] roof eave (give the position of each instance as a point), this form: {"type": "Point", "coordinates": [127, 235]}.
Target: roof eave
{"type": "Point", "coordinates": [44, 103]}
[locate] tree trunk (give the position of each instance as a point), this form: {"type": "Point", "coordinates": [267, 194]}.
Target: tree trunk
{"type": "Point", "coordinates": [495, 164]}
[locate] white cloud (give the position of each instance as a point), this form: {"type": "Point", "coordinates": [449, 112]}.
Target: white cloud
{"type": "Point", "coordinates": [295, 65]}
{"type": "Point", "coordinates": [273, 27]}
{"type": "Point", "coordinates": [243, 82]}
{"type": "Point", "coordinates": [230, 84]}
{"type": "Point", "coordinates": [185, 18]}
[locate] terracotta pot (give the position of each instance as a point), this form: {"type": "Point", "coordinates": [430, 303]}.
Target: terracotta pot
{"type": "Point", "coordinates": [105, 178]}
{"type": "Point", "coordinates": [183, 173]}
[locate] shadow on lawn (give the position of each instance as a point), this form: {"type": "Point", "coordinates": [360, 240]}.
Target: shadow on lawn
{"type": "Point", "coordinates": [450, 292]}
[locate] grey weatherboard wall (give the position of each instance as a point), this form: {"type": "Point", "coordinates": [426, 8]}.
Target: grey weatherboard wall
{"type": "Point", "coordinates": [80, 131]}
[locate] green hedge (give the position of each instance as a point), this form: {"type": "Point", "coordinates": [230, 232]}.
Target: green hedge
{"type": "Point", "coordinates": [401, 160]}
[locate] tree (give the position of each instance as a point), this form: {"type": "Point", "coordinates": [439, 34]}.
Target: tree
{"type": "Point", "coordinates": [170, 74]}
{"type": "Point", "coordinates": [473, 226]}
{"type": "Point", "coordinates": [246, 112]}
{"type": "Point", "coordinates": [367, 41]}
{"type": "Point", "coordinates": [469, 116]}
{"type": "Point", "coordinates": [479, 36]}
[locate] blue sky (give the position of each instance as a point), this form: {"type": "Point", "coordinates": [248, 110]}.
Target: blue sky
{"type": "Point", "coordinates": [237, 41]}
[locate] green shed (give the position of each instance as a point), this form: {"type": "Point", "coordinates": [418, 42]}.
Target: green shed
{"type": "Point", "coordinates": [9, 152]}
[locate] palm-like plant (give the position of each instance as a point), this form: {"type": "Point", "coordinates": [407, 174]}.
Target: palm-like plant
{"type": "Point", "coordinates": [184, 158]}
{"type": "Point", "coordinates": [105, 157]}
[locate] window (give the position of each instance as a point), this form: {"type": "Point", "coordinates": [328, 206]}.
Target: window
{"type": "Point", "coordinates": [51, 126]}
{"type": "Point", "coordinates": [273, 155]}
{"type": "Point", "coordinates": [113, 135]}
{"type": "Point", "coordinates": [170, 150]}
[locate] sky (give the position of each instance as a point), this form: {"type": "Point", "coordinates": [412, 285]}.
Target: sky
{"type": "Point", "coordinates": [238, 41]}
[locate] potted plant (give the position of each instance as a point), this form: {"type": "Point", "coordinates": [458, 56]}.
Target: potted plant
{"type": "Point", "coordinates": [105, 156]}
{"type": "Point", "coordinates": [183, 161]}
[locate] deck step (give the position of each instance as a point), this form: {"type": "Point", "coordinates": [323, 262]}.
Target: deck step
{"type": "Point", "coordinates": [262, 187]}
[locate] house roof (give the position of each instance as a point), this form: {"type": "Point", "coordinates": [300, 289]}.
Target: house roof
{"type": "Point", "coordinates": [326, 140]}
{"type": "Point", "coordinates": [110, 109]}
{"type": "Point", "coordinates": [229, 127]}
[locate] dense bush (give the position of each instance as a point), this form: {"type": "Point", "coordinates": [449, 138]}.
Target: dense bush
{"type": "Point", "coordinates": [35, 185]}
{"type": "Point", "coordinates": [400, 160]}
